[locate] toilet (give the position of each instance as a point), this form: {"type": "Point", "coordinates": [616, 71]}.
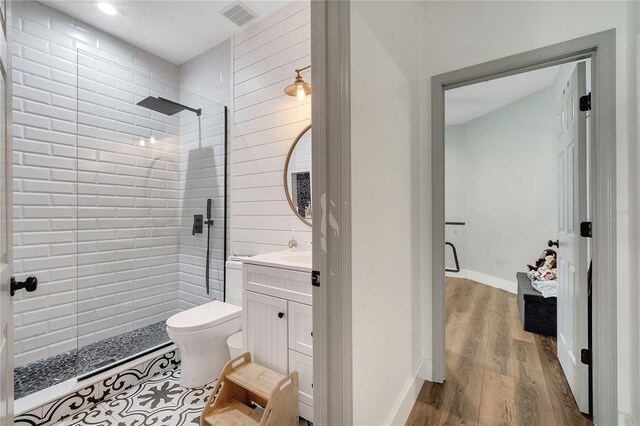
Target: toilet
{"type": "Point", "coordinates": [201, 333]}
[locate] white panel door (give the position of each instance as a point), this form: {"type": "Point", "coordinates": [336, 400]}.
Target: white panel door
{"type": "Point", "coordinates": [572, 250]}
{"type": "Point", "coordinates": [6, 258]}
{"type": "Point", "coordinates": [266, 330]}
{"type": "Point", "coordinates": [301, 328]}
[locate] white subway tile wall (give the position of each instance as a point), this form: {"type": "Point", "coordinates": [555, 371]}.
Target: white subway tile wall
{"type": "Point", "coordinates": [100, 185]}
{"type": "Point", "coordinates": [201, 178]}
{"type": "Point", "coordinates": [128, 202]}
{"type": "Point", "coordinates": [266, 122]}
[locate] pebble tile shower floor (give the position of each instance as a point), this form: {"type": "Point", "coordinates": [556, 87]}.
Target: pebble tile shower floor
{"type": "Point", "coordinates": [50, 371]}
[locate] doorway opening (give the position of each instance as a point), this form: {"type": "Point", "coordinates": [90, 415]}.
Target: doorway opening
{"type": "Point", "coordinates": [515, 192]}
{"type": "Point", "coordinates": [600, 49]}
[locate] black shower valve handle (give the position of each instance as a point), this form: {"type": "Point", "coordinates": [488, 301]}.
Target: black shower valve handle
{"type": "Point", "coordinates": [552, 243]}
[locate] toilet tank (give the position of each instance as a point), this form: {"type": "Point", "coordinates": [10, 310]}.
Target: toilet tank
{"type": "Point", "coordinates": [234, 282]}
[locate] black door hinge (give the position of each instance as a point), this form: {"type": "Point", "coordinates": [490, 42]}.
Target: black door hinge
{"type": "Point", "coordinates": [585, 102]}
{"type": "Point", "coordinates": [315, 278]}
{"type": "Point", "coordinates": [586, 230]}
{"type": "Point", "coordinates": [585, 356]}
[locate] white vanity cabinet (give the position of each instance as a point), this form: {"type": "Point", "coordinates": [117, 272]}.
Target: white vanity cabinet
{"type": "Point", "coordinates": [278, 321]}
{"type": "Point", "coordinates": [266, 329]}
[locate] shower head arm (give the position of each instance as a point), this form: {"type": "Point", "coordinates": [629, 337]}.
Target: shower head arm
{"type": "Point", "coordinates": [197, 111]}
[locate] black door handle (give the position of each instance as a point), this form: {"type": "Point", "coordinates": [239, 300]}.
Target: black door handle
{"type": "Point", "coordinates": [551, 243]}
{"type": "Point", "coordinates": [280, 314]}
{"type": "Point", "coordinates": [30, 284]}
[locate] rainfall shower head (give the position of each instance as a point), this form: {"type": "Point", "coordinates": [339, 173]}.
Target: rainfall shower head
{"type": "Point", "coordinates": [165, 106]}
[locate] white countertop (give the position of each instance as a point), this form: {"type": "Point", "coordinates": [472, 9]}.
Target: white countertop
{"type": "Point", "coordinates": [286, 259]}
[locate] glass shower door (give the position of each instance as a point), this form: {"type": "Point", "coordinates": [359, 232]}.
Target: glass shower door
{"type": "Point", "coordinates": [149, 158]}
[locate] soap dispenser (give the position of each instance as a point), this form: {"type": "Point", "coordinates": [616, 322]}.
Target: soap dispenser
{"type": "Point", "coordinates": [293, 244]}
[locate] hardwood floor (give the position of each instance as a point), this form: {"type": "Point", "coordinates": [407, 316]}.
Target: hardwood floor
{"type": "Point", "coordinates": [497, 373]}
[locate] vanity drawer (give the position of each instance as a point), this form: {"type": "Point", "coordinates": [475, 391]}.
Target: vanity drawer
{"type": "Point", "coordinates": [306, 412]}
{"type": "Point", "coordinates": [301, 328]}
{"type": "Point", "coordinates": [282, 283]}
{"type": "Point", "coordinates": [303, 364]}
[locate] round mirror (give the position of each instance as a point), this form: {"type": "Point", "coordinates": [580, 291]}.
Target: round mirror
{"type": "Point", "coordinates": [297, 176]}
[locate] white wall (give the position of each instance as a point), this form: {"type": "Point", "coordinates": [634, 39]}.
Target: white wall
{"type": "Point", "coordinates": [386, 316]}
{"type": "Point", "coordinates": [460, 34]}
{"type": "Point", "coordinates": [266, 122]}
{"type": "Point", "coordinates": [448, 36]}
{"type": "Point", "coordinates": [509, 194]}
{"type": "Point", "coordinates": [455, 170]}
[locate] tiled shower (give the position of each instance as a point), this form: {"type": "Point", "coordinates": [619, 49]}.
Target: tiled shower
{"type": "Point", "coordinates": [105, 196]}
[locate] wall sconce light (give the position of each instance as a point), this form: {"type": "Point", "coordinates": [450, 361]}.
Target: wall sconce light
{"type": "Point", "coordinates": [299, 88]}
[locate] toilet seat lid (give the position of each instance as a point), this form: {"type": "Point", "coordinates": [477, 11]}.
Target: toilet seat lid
{"type": "Point", "coordinates": [203, 317]}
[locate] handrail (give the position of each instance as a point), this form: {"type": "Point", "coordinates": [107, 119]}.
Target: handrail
{"type": "Point", "coordinates": [455, 257]}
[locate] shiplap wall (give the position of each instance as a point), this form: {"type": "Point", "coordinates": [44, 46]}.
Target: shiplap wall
{"type": "Point", "coordinates": [266, 122]}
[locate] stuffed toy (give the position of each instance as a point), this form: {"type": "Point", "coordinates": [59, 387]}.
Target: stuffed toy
{"type": "Point", "coordinates": [547, 272]}
{"type": "Point", "coordinates": [542, 258]}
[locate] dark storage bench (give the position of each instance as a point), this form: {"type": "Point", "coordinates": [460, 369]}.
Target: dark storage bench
{"type": "Point", "coordinates": [537, 314]}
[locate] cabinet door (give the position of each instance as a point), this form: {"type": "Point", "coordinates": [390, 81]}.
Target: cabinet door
{"type": "Point", "coordinates": [301, 328]}
{"type": "Point", "coordinates": [304, 366]}
{"type": "Point", "coordinates": [265, 329]}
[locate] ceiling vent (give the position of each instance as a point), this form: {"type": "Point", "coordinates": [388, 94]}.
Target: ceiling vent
{"type": "Point", "coordinates": [238, 13]}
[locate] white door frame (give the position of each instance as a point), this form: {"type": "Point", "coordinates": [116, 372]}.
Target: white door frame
{"type": "Point", "coordinates": [600, 48]}
{"type": "Point", "coordinates": [331, 193]}
{"type": "Point", "coordinates": [6, 302]}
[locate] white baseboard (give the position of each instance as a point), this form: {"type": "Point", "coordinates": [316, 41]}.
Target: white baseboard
{"type": "Point", "coordinates": [461, 274]}
{"type": "Point", "coordinates": [403, 405]}
{"type": "Point", "coordinates": [502, 284]}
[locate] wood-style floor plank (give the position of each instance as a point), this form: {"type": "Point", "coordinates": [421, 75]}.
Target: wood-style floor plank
{"type": "Point", "coordinates": [497, 374]}
{"type": "Point", "coordinates": [557, 384]}
{"type": "Point", "coordinates": [497, 407]}
{"type": "Point", "coordinates": [499, 344]}
{"type": "Point", "coordinates": [533, 403]}
{"type": "Point", "coordinates": [462, 406]}
{"type": "Point", "coordinates": [428, 407]}
{"type": "Point", "coordinates": [514, 322]}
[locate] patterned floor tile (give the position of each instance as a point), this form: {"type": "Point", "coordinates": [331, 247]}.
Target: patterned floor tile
{"type": "Point", "coordinates": [94, 417]}
{"type": "Point", "coordinates": [159, 401]}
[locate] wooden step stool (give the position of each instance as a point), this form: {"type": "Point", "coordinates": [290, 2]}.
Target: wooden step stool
{"type": "Point", "coordinates": [242, 383]}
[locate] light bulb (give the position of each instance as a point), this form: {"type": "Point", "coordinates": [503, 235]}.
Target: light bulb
{"type": "Point", "coordinates": [300, 92]}
{"type": "Point", "coordinates": [141, 142]}
{"type": "Point", "coordinates": [152, 140]}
